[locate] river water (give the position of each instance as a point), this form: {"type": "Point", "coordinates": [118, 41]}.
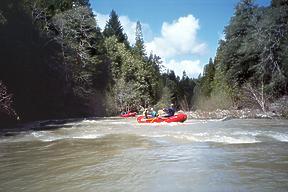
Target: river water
{"type": "Point", "coordinates": [120, 155]}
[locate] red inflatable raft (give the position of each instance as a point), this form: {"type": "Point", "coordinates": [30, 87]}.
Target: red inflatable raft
{"type": "Point", "coordinates": [181, 117]}
{"type": "Point", "coordinates": [129, 114]}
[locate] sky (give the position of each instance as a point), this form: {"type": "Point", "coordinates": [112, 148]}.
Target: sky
{"type": "Point", "coordinates": [184, 33]}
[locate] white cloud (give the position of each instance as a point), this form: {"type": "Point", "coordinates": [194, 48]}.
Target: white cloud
{"type": "Point", "coordinates": [192, 68]}
{"type": "Point", "coordinates": [129, 26]}
{"type": "Point", "coordinates": [101, 19]}
{"type": "Point", "coordinates": [178, 38]}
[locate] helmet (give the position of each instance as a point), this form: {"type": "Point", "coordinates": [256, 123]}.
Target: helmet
{"type": "Point", "coordinates": [152, 109]}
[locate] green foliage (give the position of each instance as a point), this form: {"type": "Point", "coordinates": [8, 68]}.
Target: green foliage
{"type": "Point", "coordinates": [207, 78]}
{"type": "Point", "coordinates": [254, 52]}
{"type": "Point", "coordinates": [130, 69]}
{"type": "Point", "coordinates": [165, 98]}
{"type": "Point", "coordinates": [88, 65]}
{"type": "Point", "coordinates": [68, 67]}
{"type": "Point", "coordinates": [182, 91]}
{"type": "Point", "coordinates": [271, 30]}
{"type": "Point", "coordinates": [56, 65]}
{"type": "Point", "coordinates": [185, 92]}
{"type": "Point", "coordinates": [114, 28]}
{"type": "Point", "coordinates": [139, 48]}
{"type": "Point", "coordinates": [237, 32]}
{"type": "Point", "coordinates": [126, 96]}
{"type": "Point", "coordinates": [278, 3]}
{"type": "Point", "coordinates": [220, 100]}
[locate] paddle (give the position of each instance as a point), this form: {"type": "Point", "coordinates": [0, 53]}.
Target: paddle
{"type": "Point", "coordinates": [153, 119]}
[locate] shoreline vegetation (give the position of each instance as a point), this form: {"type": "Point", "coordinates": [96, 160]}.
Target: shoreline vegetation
{"type": "Point", "coordinates": [218, 114]}
{"type": "Point", "coordinates": [234, 114]}
{"type": "Point", "coordinates": [276, 110]}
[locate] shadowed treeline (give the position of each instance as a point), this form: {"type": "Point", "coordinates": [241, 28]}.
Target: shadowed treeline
{"type": "Point", "coordinates": [34, 69]}
{"type": "Point", "coordinates": [56, 63]}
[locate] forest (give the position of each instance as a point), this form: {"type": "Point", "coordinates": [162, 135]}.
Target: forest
{"type": "Point", "coordinates": [251, 64]}
{"type": "Point", "coordinates": [57, 63]}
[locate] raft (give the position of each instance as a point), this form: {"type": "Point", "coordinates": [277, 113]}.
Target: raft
{"type": "Point", "coordinates": [129, 114]}
{"type": "Point", "coordinates": [181, 117]}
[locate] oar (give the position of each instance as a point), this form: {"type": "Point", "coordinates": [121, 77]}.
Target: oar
{"type": "Point", "coordinates": [153, 119]}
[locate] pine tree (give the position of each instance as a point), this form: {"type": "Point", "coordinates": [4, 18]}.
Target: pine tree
{"type": "Point", "coordinates": [207, 78]}
{"type": "Point", "coordinates": [139, 48]}
{"type": "Point", "coordinates": [185, 93]}
{"type": "Point", "coordinates": [278, 3]}
{"type": "Point", "coordinates": [114, 27]}
{"type": "Point", "coordinates": [235, 57]}
{"type": "Point", "coordinates": [271, 37]}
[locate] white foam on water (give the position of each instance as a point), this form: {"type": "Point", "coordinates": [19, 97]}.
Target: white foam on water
{"type": "Point", "coordinates": [205, 137]}
{"type": "Point", "coordinates": [248, 133]}
{"type": "Point", "coordinates": [48, 136]}
{"type": "Point", "coordinates": [3, 140]}
{"type": "Point", "coordinates": [275, 135]}
{"type": "Point", "coordinates": [194, 122]}
{"type": "Point", "coordinates": [43, 136]}
{"type": "Point", "coordinates": [88, 136]}
{"type": "Point", "coordinates": [240, 140]}
{"type": "Point", "coordinates": [217, 139]}
{"type": "Point", "coordinates": [280, 137]}
{"type": "Point", "coordinates": [91, 121]}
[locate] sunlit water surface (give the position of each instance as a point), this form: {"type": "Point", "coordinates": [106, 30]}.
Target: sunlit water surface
{"type": "Point", "coordinates": [114, 154]}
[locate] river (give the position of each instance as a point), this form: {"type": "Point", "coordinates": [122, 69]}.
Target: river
{"type": "Point", "coordinates": [120, 155]}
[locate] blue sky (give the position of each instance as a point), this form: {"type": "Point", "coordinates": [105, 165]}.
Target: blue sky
{"type": "Point", "coordinates": [184, 33]}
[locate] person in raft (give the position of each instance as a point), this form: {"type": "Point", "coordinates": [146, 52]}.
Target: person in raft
{"type": "Point", "coordinates": [145, 113]}
{"type": "Point", "coordinates": [170, 111]}
{"type": "Point", "coordinates": [153, 113]}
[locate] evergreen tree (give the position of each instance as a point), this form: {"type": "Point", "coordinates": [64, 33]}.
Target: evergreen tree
{"type": "Point", "coordinates": [30, 64]}
{"type": "Point", "coordinates": [271, 36]}
{"type": "Point", "coordinates": [222, 92]}
{"type": "Point", "coordinates": [139, 48]}
{"type": "Point", "coordinates": [114, 27]}
{"type": "Point", "coordinates": [278, 3]}
{"type": "Point", "coordinates": [185, 93]}
{"type": "Point", "coordinates": [90, 66]}
{"type": "Point", "coordinates": [253, 54]}
{"type": "Point", "coordinates": [166, 98]}
{"type": "Point", "coordinates": [207, 78]}
{"type": "Point", "coordinates": [236, 32]}
{"type": "Point", "coordinates": [130, 69]}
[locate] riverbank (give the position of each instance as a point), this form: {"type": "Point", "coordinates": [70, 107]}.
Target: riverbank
{"type": "Point", "coordinates": [197, 114]}
{"type": "Point", "coordinates": [275, 110]}
{"type": "Point", "coordinates": [233, 114]}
